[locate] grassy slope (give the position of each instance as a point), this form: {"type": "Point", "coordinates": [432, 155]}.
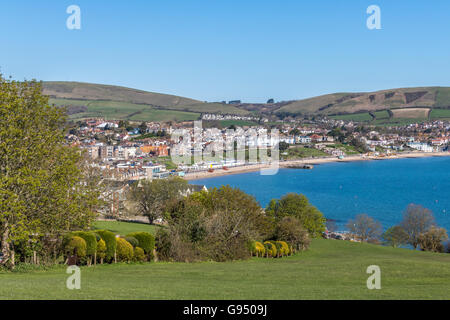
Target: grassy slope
{"type": "Point", "coordinates": [124, 228]}
{"type": "Point", "coordinates": [117, 110]}
{"type": "Point", "coordinates": [434, 97]}
{"type": "Point", "coordinates": [90, 91]}
{"type": "Point", "coordinates": [331, 269]}
{"type": "Point", "coordinates": [115, 102]}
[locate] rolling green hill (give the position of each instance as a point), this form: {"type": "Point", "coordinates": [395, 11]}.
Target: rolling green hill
{"type": "Point", "coordinates": [349, 103]}
{"type": "Point", "coordinates": [393, 106]}
{"type": "Point", "coordinates": [89, 91]}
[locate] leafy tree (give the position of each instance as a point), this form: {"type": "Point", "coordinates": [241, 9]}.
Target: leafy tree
{"type": "Point", "coordinates": [283, 146]}
{"type": "Point", "coordinates": [43, 192]}
{"type": "Point", "coordinates": [290, 229]}
{"type": "Point", "coordinates": [433, 239]}
{"type": "Point", "coordinates": [395, 236]}
{"type": "Point", "coordinates": [152, 197]}
{"type": "Point", "coordinates": [143, 128]}
{"type": "Point", "coordinates": [298, 206]}
{"type": "Point", "coordinates": [416, 220]}
{"type": "Point", "coordinates": [364, 227]}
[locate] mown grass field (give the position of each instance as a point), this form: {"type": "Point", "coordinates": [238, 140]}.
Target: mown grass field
{"type": "Point", "coordinates": [124, 228]}
{"type": "Point", "coordinates": [330, 269]}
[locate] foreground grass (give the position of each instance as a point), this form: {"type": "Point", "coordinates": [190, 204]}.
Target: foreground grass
{"type": "Point", "coordinates": [331, 269]}
{"type": "Point", "coordinates": [124, 228]}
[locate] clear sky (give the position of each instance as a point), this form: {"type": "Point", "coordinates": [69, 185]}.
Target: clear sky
{"type": "Point", "coordinates": [230, 49]}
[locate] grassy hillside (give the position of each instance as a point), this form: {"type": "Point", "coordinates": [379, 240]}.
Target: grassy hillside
{"type": "Point", "coordinates": [85, 100]}
{"type": "Point", "coordinates": [124, 228]}
{"type": "Point", "coordinates": [117, 110]}
{"type": "Point", "coordinates": [342, 103]}
{"type": "Point", "coordinates": [331, 269]}
{"type": "Point", "coordinates": [89, 91]}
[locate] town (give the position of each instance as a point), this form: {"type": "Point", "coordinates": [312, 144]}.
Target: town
{"type": "Point", "coordinates": [133, 151]}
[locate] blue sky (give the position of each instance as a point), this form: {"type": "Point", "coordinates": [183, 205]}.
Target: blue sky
{"type": "Point", "coordinates": [222, 50]}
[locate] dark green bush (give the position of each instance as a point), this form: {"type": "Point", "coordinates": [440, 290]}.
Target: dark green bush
{"type": "Point", "coordinates": [133, 241]}
{"type": "Point", "coordinates": [163, 244]}
{"type": "Point", "coordinates": [146, 241]}
{"type": "Point", "coordinates": [110, 241]}
{"type": "Point", "coordinates": [91, 241]}
{"type": "Point", "coordinates": [97, 236]}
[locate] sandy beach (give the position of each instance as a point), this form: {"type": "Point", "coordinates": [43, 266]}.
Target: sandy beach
{"type": "Point", "coordinates": [309, 161]}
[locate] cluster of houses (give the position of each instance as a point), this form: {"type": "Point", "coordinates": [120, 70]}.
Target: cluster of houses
{"type": "Point", "coordinates": [129, 155]}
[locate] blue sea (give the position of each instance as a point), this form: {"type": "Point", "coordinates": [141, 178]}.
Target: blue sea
{"type": "Point", "coordinates": [379, 188]}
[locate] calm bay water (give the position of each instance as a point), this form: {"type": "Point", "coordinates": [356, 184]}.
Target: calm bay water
{"type": "Point", "coordinates": [382, 189]}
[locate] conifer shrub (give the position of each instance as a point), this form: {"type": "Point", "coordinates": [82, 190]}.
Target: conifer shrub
{"type": "Point", "coordinates": [146, 241]}
{"type": "Point", "coordinates": [132, 240]}
{"type": "Point", "coordinates": [139, 254]}
{"type": "Point", "coordinates": [91, 241]}
{"type": "Point", "coordinates": [101, 249]}
{"type": "Point", "coordinates": [260, 250]}
{"type": "Point", "coordinates": [110, 241]}
{"type": "Point", "coordinates": [76, 245]}
{"type": "Point", "coordinates": [279, 248]}
{"type": "Point", "coordinates": [124, 250]}
{"type": "Point", "coordinates": [284, 248]}
{"type": "Point", "coordinates": [271, 249]}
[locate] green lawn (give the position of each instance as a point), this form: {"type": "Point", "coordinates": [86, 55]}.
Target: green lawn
{"type": "Point", "coordinates": [331, 269]}
{"type": "Point", "coordinates": [440, 114]}
{"type": "Point", "coordinates": [124, 228]}
{"type": "Point", "coordinates": [358, 117]}
{"type": "Point", "coordinates": [302, 152]}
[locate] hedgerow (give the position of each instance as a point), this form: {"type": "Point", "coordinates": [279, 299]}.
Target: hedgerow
{"type": "Point", "coordinates": [146, 241]}
{"type": "Point", "coordinates": [110, 241]}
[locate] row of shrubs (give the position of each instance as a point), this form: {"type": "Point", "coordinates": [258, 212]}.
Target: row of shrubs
{"type": "Point", "coordinates": [271, 249]}
{"type": "Point", "coordinates": [104, 246]}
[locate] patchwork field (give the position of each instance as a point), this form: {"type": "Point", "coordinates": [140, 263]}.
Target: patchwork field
{"type": "Point", "coordinates": [331, 269]}
{"type": "Point", "coordinates": [113, 102]}
{"type": "Point", "coordinates": [115, 110]}
{"type": "Point", "coordinates": [411, 113]}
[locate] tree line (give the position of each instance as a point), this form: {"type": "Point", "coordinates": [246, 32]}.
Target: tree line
{"type": "Point", "coordinates": [417, 228]}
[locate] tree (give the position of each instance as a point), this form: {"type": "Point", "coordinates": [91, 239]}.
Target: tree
{"type": "Point", "coordinates": [416, 220]}
{"type": "Point", "coordinates": [290, 229]}
{"type": "Point", "coordinates": [270, 101]}
{"type": "Point", "coordinates": [283, 146]}
{"type": "Point", "coordinates": [395, 236]}
{"type": "Point", "coordinates": [433, 239]}
{"type": "Point", "coordinates": [331, 225]}
{"type": "Point", "coordinates": [142, 128]}
{"type": "Point", "coordinates": [217, 224]}
{"type": "Point", "coordinates": [151, 198]}
{"type": "Point", "coordinates": [298, 206]}
{"type": "Point", "coordinates": [43, 193]}
{"type": "Point", "coordinates": [364, 227]}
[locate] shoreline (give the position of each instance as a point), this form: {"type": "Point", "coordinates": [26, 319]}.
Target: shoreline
{"type": "Point", "coordinates": [311, 161]}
